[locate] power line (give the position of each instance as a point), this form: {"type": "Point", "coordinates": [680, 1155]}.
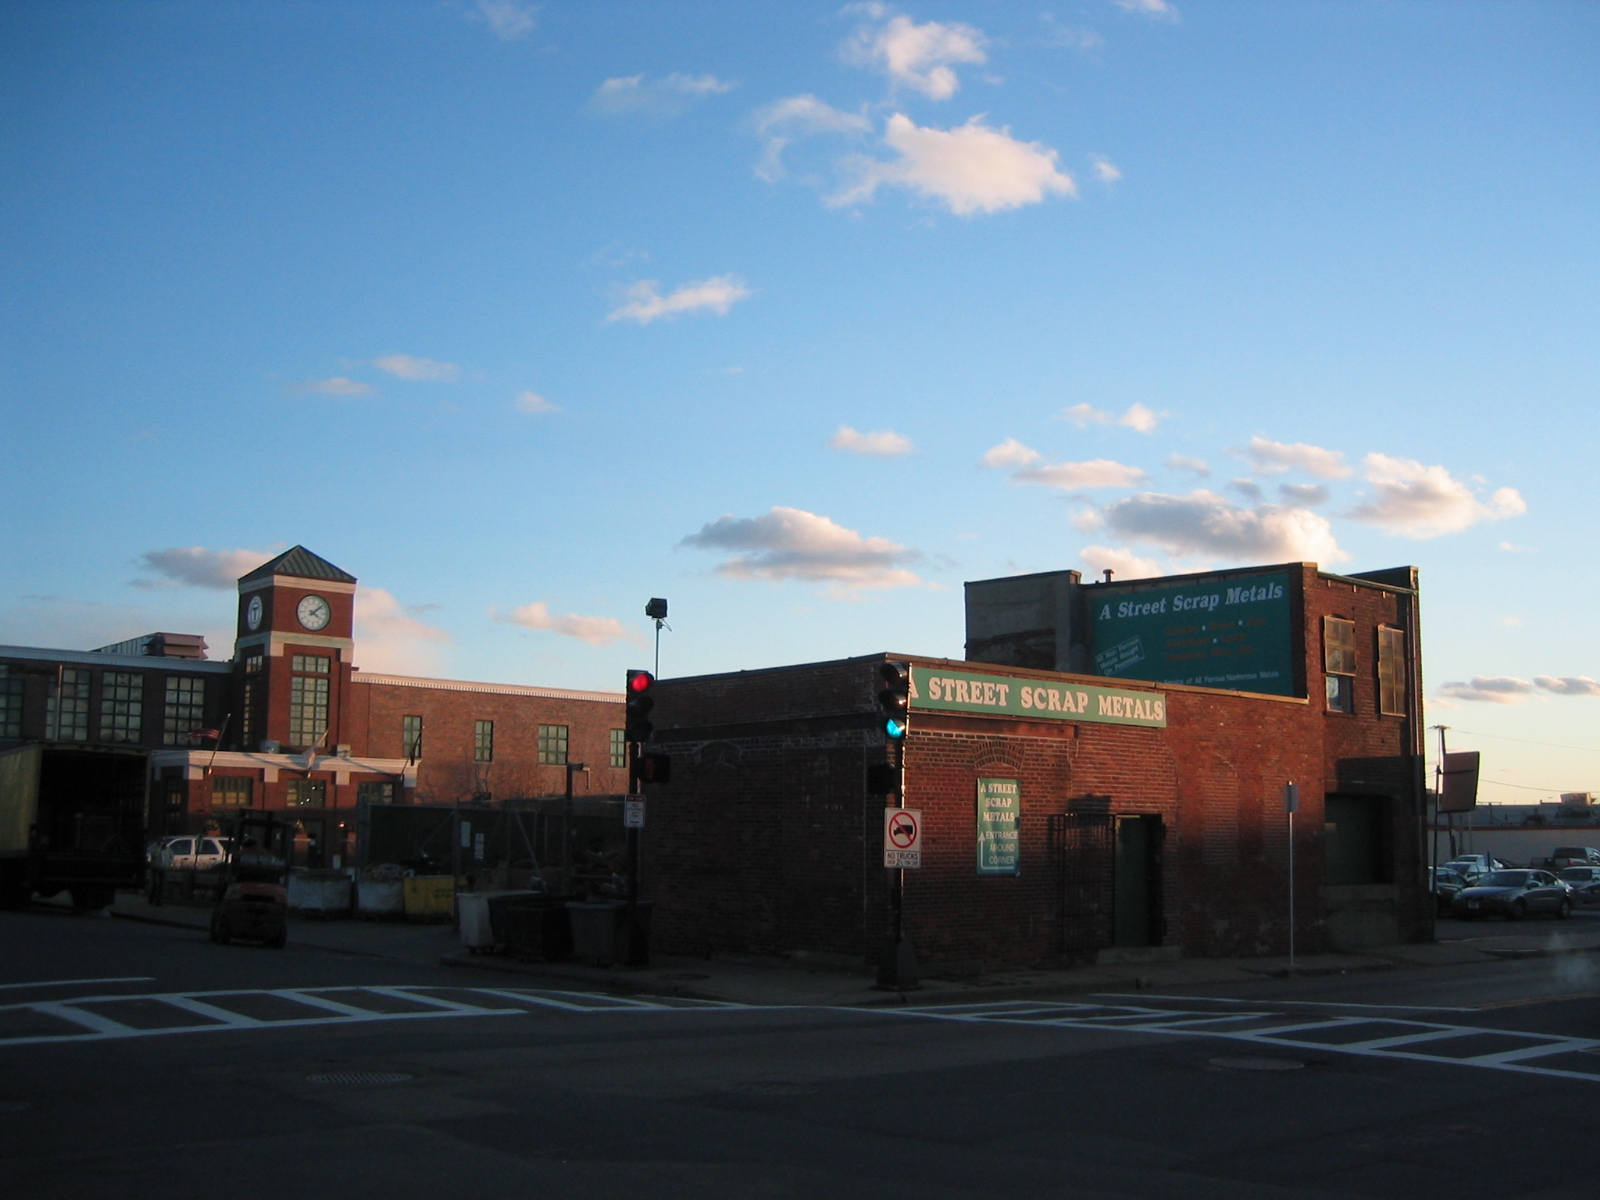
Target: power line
{"type": "Point", "coordinates": [1523, 786]}
{"type": "Point", "coordinates": [1525, 741]}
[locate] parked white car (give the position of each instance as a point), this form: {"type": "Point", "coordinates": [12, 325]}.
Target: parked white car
{"type": "Point", "coordinates": [178, 854]}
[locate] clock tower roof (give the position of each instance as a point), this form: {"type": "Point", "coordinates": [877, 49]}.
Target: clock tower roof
{"type": "Point", "coordinates": [301, 564]}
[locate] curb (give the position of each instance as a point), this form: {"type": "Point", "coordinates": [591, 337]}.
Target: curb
{"type": "Point", "coordinates": [1541, 952]}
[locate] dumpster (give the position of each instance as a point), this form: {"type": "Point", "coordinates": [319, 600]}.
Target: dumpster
{"type": "Point", "coordinates": [430, 897]}
{"type": "Point", "coordinates": [599, 929]}
{"type": "Point", "coordinates": [378, 899]}
{"type": "Point", "coordinates": [482, 916]}
{"type": "Point", "coordinates": [540, 929]}
{"type": "Point", "coordinates": [320, 893]}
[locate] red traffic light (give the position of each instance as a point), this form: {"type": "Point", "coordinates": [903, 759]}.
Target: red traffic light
{"type": "Point", "coordinates": [640, 681]}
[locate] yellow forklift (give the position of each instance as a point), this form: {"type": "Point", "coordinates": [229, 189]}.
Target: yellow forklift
{"type": "Point", "coordinates": [252, 895]}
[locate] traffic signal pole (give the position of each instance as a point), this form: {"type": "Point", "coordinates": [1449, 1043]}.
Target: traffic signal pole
{"type": "Point", "coordinates": [898, 968]}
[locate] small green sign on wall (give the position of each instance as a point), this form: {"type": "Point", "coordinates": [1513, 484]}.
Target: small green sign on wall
{"type": "Point", "coordinates": [999, 823]}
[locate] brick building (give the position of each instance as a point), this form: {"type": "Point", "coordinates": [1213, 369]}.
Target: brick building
{"type": "Point", "coordinates": [1067, 814]}
{"type": "Point", "coordinates": [291, 723]}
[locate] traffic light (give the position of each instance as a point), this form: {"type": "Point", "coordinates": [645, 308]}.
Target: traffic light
{"type": "Point", "coordinates": [896, 700]}
{"type": "Point", "coordinates": [883, 779]}
{"type": "Point", "coordinates": [655, 768]}
{"type": "Point", "coordinates": [639, 704]}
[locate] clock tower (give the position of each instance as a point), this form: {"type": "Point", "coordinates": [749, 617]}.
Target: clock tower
{"type": "Point", "coordinates": [292, 653]}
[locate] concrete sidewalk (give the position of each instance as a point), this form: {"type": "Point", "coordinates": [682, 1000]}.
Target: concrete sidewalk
{"type": "Point", "coordinates": [797, 981]}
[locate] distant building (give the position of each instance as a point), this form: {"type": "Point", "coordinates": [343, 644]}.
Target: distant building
{"type": "Point", "coordinates": [291, 723]}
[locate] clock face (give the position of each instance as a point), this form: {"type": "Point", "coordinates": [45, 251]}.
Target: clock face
{"type": "Point", "coordinates": [313, 612]}
{"type": "Point", "coordinates": [252, 613]}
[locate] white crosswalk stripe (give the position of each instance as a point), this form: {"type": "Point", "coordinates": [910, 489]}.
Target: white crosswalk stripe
{"type": "Point", "coordinates": [119, 1015]}
{"type": "Point", "coordinates": [1390, 1037]}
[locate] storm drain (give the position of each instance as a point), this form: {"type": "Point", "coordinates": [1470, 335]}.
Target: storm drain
{"type": "Point", "coordinates": [360, 1077]}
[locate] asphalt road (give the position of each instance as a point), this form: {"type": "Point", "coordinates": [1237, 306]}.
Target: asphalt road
{"type": "Point", "coordinates": [277, 1074]}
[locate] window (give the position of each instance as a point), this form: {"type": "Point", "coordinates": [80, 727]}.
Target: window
{"type": "Point", "coordinates": [185, 709]}
{"type": "Point", "coordinates": [251, 724]}
{"type": "Point", "coordinates": [10, 703]}
{"type": "Point", "coordinates": [1391, 671]}
{"type": "Point", "coordinates": [307, 793]}
{"type": "Point", "coordinates": [1339, 661]}
{"type": "Point", "coordinates": [121, 706]}
{"type": "Point", "coordinates": [483, 741]}
{"type": "Point", "coordinates": [619, 747]}
{"type": "Point", "coordinates": [231, 791]}
{"type": "Point", "coordinates": [67, 709]}
{"type": "Point", "coordinates": [308, 699]}
{"type": "Point", "coordinates": [553, 744]}
{"type": "Point", "coordinates": [411, 737]}
{"type": "Point", "coordinates": [375, 792]}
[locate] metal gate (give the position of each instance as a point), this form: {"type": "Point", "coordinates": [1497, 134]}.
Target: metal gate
{"type": "Point", "coordinates": [1084, 844]}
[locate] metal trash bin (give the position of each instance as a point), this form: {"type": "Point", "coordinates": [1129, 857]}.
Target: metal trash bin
{"type": "Point", "coordinates": [600, 929]}
{"type": "Point", "coordinates": [539, 929]}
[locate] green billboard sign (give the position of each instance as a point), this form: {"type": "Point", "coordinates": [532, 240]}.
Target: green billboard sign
{"type": "Point", "coordinates": [1233, 632]}
{"type": "Point", "coordinates": [943, 689]}
{"type": "Point", "coordinates": [999, 822]}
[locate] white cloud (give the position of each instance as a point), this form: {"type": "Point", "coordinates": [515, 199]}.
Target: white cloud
{"type": "Point", "coordinates": [1072, 37]}
{"type": "Point", "coordinates": [883, 444]}
{"type": "Point", "coordinates": [508, 20]}
{"type": "Point", "coordinates": [781, 122]}
{"type": "Point", "coordinates": [337, 386]}
{"type": "Point", "coordinates": [1568, 685]}
{"type": "Point", "coordinates": [418, 369]}
{"type": "Point", "coordinates": [1489, 689]}
{"type": "Point", "coordinates": [1010, 453]}
{"type": "Point", "coordinates": [1276, 457]}
{"type": "Point", "coordinates": [971, 168]}
{"type": "Point", "coordinates": [790, 543]}
{"type": "Point", "coordinates": [535, 404]}
{"type": "Point", "coordinates": [597, 631]}
{"type": "Point", "coordinates": [644, 302]}
{"type": "Point", "coordinates": [1137, 417]}
{"type": "Point", "coordinates": [1420, 502]}
{"type": "Point", "coordinates": [1182, 462]}
{"type": "Point", "coordinates": [1123, 564]}
{"type": "Point", "coordinates": [389, 638]}
{"type": "Point", "coordinates": [1095, 473]}
{"type": "Point", "coordinates": [917, 56]}
{"type": "Point", "coordinates": [1140, 418]}
{"type": "Point", "coordinates": [1085, 415]}
{"type": "Point", "coordinates": [1205, 525]}
{"type": "Point", "coordinates": [195, 566]}
{"type": "Point", "coordinates": [664, 97]}
{"type": "Point", "coordinates": [1511, 621]}
{"type": "Point", "coordinates": [1104, 169]}
{"type": "Point", "coordinates": [1156, 10]}
{"type": "Point", "coordinates": [1306, 495]}
{"type": "Point", "coordinates": [1248, 488]}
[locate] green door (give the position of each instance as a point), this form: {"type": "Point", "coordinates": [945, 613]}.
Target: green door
{"type": "Point", "coordinates": [1135, 847]}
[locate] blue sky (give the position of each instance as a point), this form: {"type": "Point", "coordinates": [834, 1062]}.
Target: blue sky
{"type": "Point", "coordinates": [801, 315]}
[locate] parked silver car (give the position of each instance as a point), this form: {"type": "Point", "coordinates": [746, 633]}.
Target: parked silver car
{"type": "Point", "coordinates": [1583, 883]}
{"type": "Point", "coordinates": [1513, 894]}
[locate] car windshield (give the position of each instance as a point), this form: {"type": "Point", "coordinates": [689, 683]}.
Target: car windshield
{"type": "Point", "coordinates": [1505, 879]}
{"type": "Point", "coordinates": [1578, 873]}
{"type": "Point", "coordinates": [1570, 852]}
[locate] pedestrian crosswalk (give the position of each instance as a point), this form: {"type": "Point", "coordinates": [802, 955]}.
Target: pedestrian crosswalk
{"type": "Point", "coordinates": [121, 1015]}
{"type": "Point", "coordinates": [1330, 1031]}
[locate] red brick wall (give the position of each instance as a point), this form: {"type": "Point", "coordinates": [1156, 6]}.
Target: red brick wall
{"type": "Point", "coordinates": [765, 840]}
{"type": "Point", "coordinates": [447, 771]}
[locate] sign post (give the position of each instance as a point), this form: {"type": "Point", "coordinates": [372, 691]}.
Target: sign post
{"type": "Point", "coordinates": [1291, 805]}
